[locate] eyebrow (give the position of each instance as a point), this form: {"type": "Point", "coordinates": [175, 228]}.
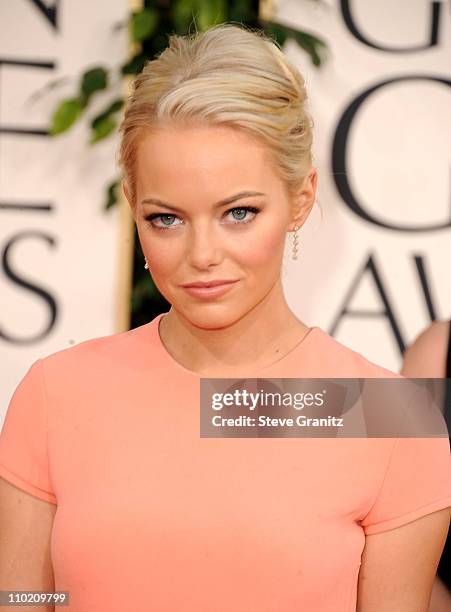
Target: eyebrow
{"type": "Point", "coordinates": [229, 200]}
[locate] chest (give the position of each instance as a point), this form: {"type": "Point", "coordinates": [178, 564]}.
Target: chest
{"type": "Point", "coordinates": [165, 511]}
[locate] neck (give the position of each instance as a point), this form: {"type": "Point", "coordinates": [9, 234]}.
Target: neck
{"type": "Point", "coordinates": [259, 337]}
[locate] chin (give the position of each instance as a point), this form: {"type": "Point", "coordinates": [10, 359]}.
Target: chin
{"type": "Point", "coordinates": [211, 316]}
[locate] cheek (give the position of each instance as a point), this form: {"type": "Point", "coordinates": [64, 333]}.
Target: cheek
{"type": "Point", "coordinates": [161, 254]}
{"type": "Point", "coordinates": [258, 249]}
{"type": "Point", "coordinates": [264, 249]}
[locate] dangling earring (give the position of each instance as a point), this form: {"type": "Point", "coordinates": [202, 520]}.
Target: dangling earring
{"type": "Point", "coordinates": [295, 242]}
{"type": "Point", "coordinates": [146, 265]}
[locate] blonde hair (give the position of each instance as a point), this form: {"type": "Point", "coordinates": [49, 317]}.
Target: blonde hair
{"type": "Point", "coordinates": [228, 75]}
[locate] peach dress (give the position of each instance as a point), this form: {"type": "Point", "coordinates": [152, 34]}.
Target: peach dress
{"type": "Point", "coordinates": [150, 516]}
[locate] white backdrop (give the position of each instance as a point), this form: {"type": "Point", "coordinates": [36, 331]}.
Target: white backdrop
{"type": "Point", "coordinates": [375, 269]}
{"type": "Point", "coordinates": [59, 249]}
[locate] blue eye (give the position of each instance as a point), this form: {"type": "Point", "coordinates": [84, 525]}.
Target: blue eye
{"type": "Point", "coordinates": [245, 210]}
{"type": "Point", "coordinates": [240, 221]}
{"type": "Point", "coordinates": [161, 216]}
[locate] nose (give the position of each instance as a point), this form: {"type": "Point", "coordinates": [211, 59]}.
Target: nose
{"type": "Point", "coordinates": [203, 247]}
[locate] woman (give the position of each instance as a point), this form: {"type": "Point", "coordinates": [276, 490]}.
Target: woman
{"type": "Point", "coordinates": [216, 153]}
{"type": "Point", "coordinates": [429, 356]}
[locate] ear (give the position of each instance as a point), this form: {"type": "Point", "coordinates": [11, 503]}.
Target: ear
{"type": "Point", "coordinates": [305, 198]}
{"type": "Point", "coordinates": [126, 190]}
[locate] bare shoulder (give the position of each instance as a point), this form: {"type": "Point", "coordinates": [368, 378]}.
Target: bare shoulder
{"type": "Point", "coordinates": [426, 356]}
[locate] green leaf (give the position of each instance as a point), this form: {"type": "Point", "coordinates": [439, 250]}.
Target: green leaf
{"type": "Point", "coordinates": [276, 31]}
{"type": "Point", "coordinates": [93, 80]}
{"type": "Point", "coordinates": [114, 107]}
{"type": "Point", "coordinates": [182, 14]}
{"type": "Point", "coordinates": [202, 13]}
{"type": "Point", "coordinates": [135, 64]}
{"type": "Point", "coordinates": [314, 46]}
{"type": "Point", "coordinates": [111, 194]}
{"type": "Point", "coordinates": [241, 10]}
{"type": "Point", "coordinates": [210, 12]}
{"type": "Point", "coordinates": [102, 128]}
{"type": "Point", "coordinates": [143, 24]}
{"type": "Point", "coordinates": [65, 115]}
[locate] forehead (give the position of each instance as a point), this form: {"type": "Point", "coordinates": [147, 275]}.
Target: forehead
{"type": "Point", "coordinates": [199, 155]}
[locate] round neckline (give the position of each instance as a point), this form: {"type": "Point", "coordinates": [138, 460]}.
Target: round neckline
{"type": "Point", "coordinates": [155, 336]}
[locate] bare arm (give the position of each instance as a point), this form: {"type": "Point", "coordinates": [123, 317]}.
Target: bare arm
{"type": "Point", "coordinates": [25, 530]}
{"type": "Point", "coordinates": [398, 566]}
{"type": "Point", "coordinates": [426, 358]}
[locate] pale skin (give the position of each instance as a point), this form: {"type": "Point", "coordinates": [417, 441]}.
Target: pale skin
{"type": "Point", "coordinates": [25, 533]}
{"type": "Point", "coordinates": [205, 244]}
{"type": "Point", "coordinates": [192, 170]}
{"type": "Point", "coordinates": [426, 358]}
{"type": "Point", "coordinates": [253, 324]}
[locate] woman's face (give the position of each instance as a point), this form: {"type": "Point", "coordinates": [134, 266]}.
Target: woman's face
{"type": "Point", "coordinates": [193, 169]}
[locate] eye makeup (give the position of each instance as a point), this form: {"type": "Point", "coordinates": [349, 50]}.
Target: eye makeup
{"type": "Point", "coordinates": [151, 218]}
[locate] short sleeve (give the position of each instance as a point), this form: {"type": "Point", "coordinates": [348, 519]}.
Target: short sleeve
{"type": "Point", "coordinates": [23, 438]}
{"type": "Point", "coordinates": [417, 482]}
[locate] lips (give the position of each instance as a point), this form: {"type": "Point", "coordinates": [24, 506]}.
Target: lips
{"type": "Point", "coordinates": [212, 292]}
{"type": "Point", "coordinates": [206, 284]}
